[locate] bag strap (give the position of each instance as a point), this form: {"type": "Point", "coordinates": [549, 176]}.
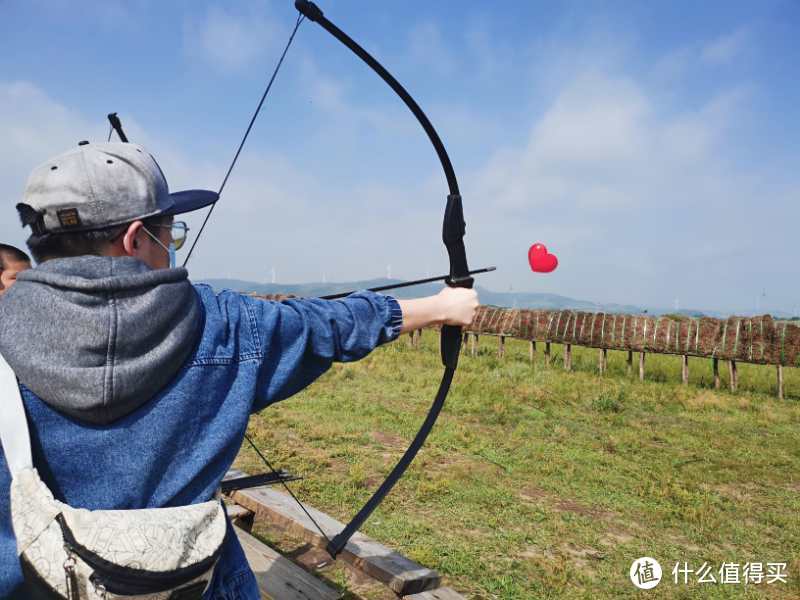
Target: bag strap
{"type": "Point", "coordinates": [13, 424]}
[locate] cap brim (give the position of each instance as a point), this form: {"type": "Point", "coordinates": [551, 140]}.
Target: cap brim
{"type": "Point", "coordinates": [189, 200]}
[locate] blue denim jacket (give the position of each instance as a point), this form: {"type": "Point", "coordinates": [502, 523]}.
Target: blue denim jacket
{"type": "Point", "coordinates": [175, 449]}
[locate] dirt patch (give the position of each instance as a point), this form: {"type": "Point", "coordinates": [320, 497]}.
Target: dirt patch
{"type": "Point", "coordinates": [533, 494]}
{"type": "Point", "coordinates": [614, 537]}
{"type": "Point", "coordinates": [389, 440]}
{"type": "Point", "coordinates": [533, 552]}
{"type": "Point", "coordinates": [735, 492]}
{"type": "Point", "coordinates": [581, 509]}
{"type": "Point", "coordinates": [580, 553]}
{"type": "Point", "coordinates": [538, 496]}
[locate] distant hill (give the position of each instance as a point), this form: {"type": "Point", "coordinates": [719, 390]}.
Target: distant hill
{"type": "Point", "coordinates": [507, 299]}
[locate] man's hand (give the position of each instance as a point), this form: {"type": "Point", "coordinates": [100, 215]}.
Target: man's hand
{"type": "Point", "coordinates": [451, 306]}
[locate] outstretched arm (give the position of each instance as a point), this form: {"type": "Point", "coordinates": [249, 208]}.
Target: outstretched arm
{"type": "Point", "coordinates": [451, 306]}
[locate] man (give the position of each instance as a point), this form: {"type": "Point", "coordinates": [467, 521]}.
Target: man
{"type": "Point", "coordinates": [137, 384]}
{"type": "Point", "coordinates": [12, 261]}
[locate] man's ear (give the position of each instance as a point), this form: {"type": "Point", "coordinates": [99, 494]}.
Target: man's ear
{"type": "Point", "coordinates": [129, 242]}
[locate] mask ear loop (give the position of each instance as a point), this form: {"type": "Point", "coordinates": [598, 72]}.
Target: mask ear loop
{"type": "Point", "coordinates": [173, 258]}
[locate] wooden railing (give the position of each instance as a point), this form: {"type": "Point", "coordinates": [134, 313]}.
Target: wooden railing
{"type": "Point", "coordinates": [758, 340]}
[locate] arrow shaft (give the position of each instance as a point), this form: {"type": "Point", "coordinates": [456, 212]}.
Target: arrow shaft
{"type": "Point", "coordinates": [394, 286]}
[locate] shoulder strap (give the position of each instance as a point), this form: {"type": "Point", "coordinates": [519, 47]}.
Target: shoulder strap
{"type": "Point", "coordinates": [13, 424]}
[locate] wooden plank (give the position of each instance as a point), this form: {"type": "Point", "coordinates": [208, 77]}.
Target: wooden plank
{"type": "Point", "coordinates": [437, 594]}
{"type": "Point", "coordinates": [641, 366]}
{"type": "Point", "coordinates": [279, 578]}
{"type": "Point", "coordinates": [239, 515]}
{"type": "Point", "coordinates": [603, 361]}
{"type": "Point", "coordinates": [401, 574]}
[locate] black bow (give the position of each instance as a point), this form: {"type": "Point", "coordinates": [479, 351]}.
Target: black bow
{"type": "Point", "coordinates": [453, 229]}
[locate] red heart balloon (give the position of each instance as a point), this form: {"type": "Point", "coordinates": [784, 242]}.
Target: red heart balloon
{"type": "Point", "coordinates": [540, 260]}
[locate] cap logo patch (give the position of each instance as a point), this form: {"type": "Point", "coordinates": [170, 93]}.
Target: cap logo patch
{"type": "Point", "coordinates": [68, 217]}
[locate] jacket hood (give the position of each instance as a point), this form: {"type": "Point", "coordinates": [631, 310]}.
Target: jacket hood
{"type": "Point", "coordinates": [96, 337]}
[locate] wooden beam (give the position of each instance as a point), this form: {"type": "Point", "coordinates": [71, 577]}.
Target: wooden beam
{"type": "Point", "coordinates": [715, 363]}
{"type": "Point", "coordinates": [603, 363]}
{"type": "Point", "coordinates": [568, 357]}
{"type": "Point", "coordinates": [780, 382]}
{"type": "Point", "coordinates": [279, 578]}
{"type": "Point", "coordinates": [685, 370]}
{"type": "Point", "coordinates": [532, 350]}
{"type": "Point", "coordinates": [437, 594]}
{"type": "Point", "coordinates": [501, 346]}
{"type": "Point", "coordinates": [401, 574]}
{"type": "Point", "coordinates": [239, 516]}
{"type": "Point", "coordinates": [641, 366]}
{"type": "Point", "coordinates": [734, 374]}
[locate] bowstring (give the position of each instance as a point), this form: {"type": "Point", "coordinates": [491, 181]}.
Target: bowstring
{"type": "Point", "coordinates": [300, 19]}
{"type": "Point", "coordinates": [287, 488]}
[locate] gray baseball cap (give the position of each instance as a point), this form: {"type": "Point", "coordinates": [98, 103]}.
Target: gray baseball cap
{"type": "Point", "coordinates": [101, 185]}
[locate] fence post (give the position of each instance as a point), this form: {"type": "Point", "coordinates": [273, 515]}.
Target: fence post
{"type": "Point", "coordinates": [547, 356]}
{"type": "Point", "coordinates": [532, 350]}
{"type": "Point", "coordinates": [473, 343]}
{"type": "Point", "coordinates": [568, 357]}
{"type": "Point", "coordinates": [780, 382]}
{"type": "Point", "coordinates": [641, 366]}
{"type": "Point", "coordinates": [603, 360]}
{"type": "Point", "coordinates": [715, 363]}
{"type": "Point", "coordinates": [630, 362]}
{"type": "Point", "coordinates": [685, 370]}
{"type": "Point", "coordinates": [734, 375]}
{"type": "Point", "coordinates": [501, 347]}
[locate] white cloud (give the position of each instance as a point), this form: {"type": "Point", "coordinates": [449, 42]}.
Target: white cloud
{"type": "Point", "coordinates": [726, 48]}
{"type": "Point", "coordinates": [35, 127]}
{"type": "Point", "coordinates": [428, 48]}
{"type": "Point", "coordinates": [227, 40]}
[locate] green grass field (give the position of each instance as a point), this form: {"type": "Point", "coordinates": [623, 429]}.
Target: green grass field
{"type": "Point", "coordinates": [537, 483]}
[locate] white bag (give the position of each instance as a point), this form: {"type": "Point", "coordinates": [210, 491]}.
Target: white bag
{"type": "Point", "coordinates": [79, 554]}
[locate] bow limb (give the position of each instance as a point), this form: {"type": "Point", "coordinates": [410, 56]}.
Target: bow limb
{"type": "Point", "coordinates": [453, 229]}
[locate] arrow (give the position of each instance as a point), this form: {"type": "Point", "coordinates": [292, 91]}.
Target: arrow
{"type": "Point", "coordinates": [394, 286]}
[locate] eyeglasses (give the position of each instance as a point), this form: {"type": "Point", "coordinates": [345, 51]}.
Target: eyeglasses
{"type": "Point", "coordinates": [178, 231]}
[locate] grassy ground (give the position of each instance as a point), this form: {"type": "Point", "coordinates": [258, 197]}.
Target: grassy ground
{"type": "Point", "coordinates": [538, 483]}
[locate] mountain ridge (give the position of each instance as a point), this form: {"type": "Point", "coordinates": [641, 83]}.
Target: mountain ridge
{"type": "Point", "coordinates": [531, 300]}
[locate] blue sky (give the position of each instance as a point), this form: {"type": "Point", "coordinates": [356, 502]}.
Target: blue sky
{"type": "Point", "coordinates": [651, 146]}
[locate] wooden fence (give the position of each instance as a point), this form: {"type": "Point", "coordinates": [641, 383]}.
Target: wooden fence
{"type": "Point", "coordinates": [758, 340]}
